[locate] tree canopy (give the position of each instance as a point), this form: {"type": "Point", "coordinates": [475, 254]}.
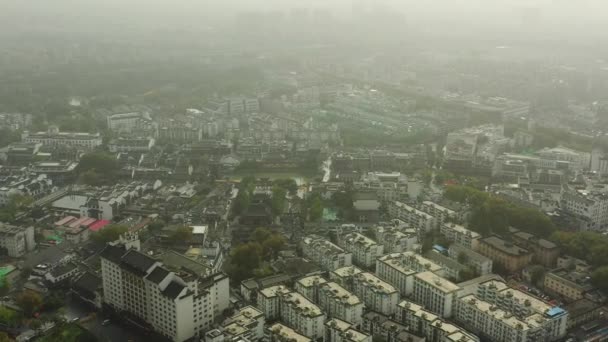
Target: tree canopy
{"type": "Point", "coordinates": [98, 168]}
{"type": "Point", "coordinates": [109, 233]}
{"type": "Point", "coordinates": [247, 260]}
{"type": "Point", "coordinates": [495, 215]}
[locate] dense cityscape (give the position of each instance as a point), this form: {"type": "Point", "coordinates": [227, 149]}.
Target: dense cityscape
{"type": "Point", "coordinates": [325, 185]}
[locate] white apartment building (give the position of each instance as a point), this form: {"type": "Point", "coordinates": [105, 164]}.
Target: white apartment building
{"type": "Point", "coordinates": [337, 330]}
{"type": "Point", "coordinates": [425, 323]}
{"type": "Point", "coordinates": [577, 159]}
{"type": "Point", "coordinates": [414, 217]}
{"type": "Point", "coordinates": [364, 250]}
{"type": "Point", "coordinates": [17, 240]}
{"type": "Point", "coordinates": [281, 333]}
{"type": "Point", "coordinates": [333, 299]}
{"type": "Point", "coordinates": [293, 309]}
{"type": "Point", "coordinates": [501, 313]}
{"type": "Point", "coordinates": [178, 307]}
{"type": "Point", "coordinates": [436, 294]}
{"type": "Point", "coordinates": [393, 270]}
{"type": "Point", "coordinates": [377, 294]}
{"type": "Point", "coordinates": [344, 276]}
{"type": "Point", "coordinates": [324, 253]}
{"type": "Point", "coordinates": [309, 286]}
{"type": "Point", "coordinates": [460, 235]}
{"type": "Point", "coordinates": [441, 213]}
{"type": "Point", "coordinates": [338, 302]}
{"type": "Point", "coordinates": [590, 206]}
{"type": "Point", "coordinates": [54, 137]}
{"type": "Point", "coordinates": [247, 323]}
{"type": "Point", "coordinates": [397, 240]}
{"type": "Point", "coordinates": [481, 264]}
{"type": "Point", "coordinates": [415, 262]}
{"type": "Point", "coordinates": [128, 122]}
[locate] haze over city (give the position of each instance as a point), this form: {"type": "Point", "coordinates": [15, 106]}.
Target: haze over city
{"type": "Point", "coordinates": [304, 170]}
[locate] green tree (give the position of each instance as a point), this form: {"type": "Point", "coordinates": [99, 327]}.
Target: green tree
{"type": "Point", "coordinates": [109, 233]}
{"type": "Point", "coordinates": [98, 168]}
{"type": "Point", "coordinates": [278, 200]}
{"type": "Point", "coordinates": [30, 302]}
{"type": "Point", "coordinates": [315, 213]}
{"type": "Point", "coordinates": [537, 274]}
{"type": "Point", "coordinates": [260, 235]}
{"type": "Point", "coordinates": [273, 245]}
{"type": "Point", "coordinates": [5, 338]}
{"type": "Point", "coordinates": [181, 234]}
{"type": "Point", "coordinates": [241, 202]}
{"type": "Point", "coordinates": [599, 278]}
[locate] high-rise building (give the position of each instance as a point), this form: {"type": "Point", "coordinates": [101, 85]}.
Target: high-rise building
{"type": "Point", "coordinates": [179, 307]}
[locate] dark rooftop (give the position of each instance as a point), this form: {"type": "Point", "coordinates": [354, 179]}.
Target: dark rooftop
{"type": "Point", "coordinates": [173, 290]}
{"type": "Point", "coordinates": [157, 275]}
{"type": "Point", "coordinates": [505, 246]}
{"type": "Point", "coordinates": [63, 269]}
{"type": "Point", "coordinates": [88, 281]}
{"type": "Point", "coordinates": [137, 262]}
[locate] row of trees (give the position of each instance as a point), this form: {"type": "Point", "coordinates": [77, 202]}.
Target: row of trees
{"type": "Point", "coordinates": [491, 214]}
{"type": "Point", "coordinates": [250, 259]}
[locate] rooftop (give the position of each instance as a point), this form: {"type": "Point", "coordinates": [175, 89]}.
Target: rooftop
{"type": "Point", "coordinates": [347, 271]}
{"type": "Point", "coordinates": [302, 304]}
{"type": "Point", "coordinates": [340, 293]}
{"type": "Point", "coordinates": [437, 282]}
{"type": "Point", "coordinates": [311, 281]}
{"type": "Point", "coordinates": [376, 283]}
{"type": "Point", "coordinates": [505, 246]}
{"type": "Point", "coordinates": [288, 334]}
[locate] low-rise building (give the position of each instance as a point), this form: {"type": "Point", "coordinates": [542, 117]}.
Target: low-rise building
{"type": "Point", "coordinates": [434, 292]}
{"type": "Point", "coordinates": [140, 145]}
{"type": "Point", "coordinates": [326, 254]}
{"type": "Point", "coordinates": [509, 256]}
{"type": "Point", "coordinates": [338, 302]}
{"type": "Point", "coordinates": [393, 269]}
{"type": "Point", "coordinates": [54, 137]}
{"type": "Point", "coordinates": [570, 284]}
{"type": "Point", "coordinates": [481, 264]}
{"type": "Point", "coordinates": [344, 276]}
{"type": "Point", "coordinates": [364, 250]}
{"type": "Point", "coordinates": [545, 252]}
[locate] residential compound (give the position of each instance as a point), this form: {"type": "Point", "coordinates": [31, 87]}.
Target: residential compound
{"type": "Point", "coordinates": [293, 309]}
{"type": "Point", "coordinates": [326, 254]}
{"type": "Point", "coordinates": [179, 306]}
{"type": "Point", "coordinates": [500, 313]}
{"type": "Point", "coordinates": [364, 250]}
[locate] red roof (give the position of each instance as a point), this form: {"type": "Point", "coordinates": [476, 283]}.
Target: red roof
{"type": "Point", "coordinates": [65, 220]}
{"type": "Point", "coordinates": [98, 225]}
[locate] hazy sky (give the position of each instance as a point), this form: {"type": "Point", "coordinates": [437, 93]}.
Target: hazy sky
{"type": "Point", "coordinates": [565, 19]}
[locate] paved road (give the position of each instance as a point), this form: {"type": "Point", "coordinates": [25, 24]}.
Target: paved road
{"type": "Point", "coordinates": [110, 333]}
